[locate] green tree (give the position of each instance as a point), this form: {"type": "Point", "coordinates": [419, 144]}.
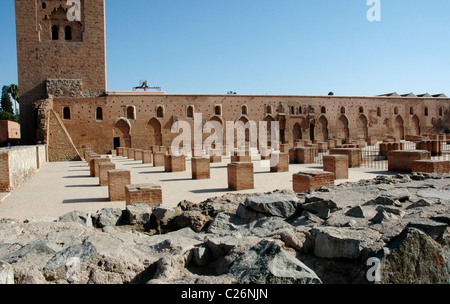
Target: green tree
{"type": "Point", "coordinates": [14, 92]}
{"type": "Point", "coordinates": [231, 93]}
{"type": "Point", "coordinates": [330, 94]}
{"type": "Point", "coordinates": [8, 116]}
{"type": "Point", "coordinates": [6, 102]}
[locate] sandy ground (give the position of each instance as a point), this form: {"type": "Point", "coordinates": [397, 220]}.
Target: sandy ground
{"type": "Point", "coordinates": [59, 188]}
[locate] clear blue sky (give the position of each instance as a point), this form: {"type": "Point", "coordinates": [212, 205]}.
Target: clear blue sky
{"type": "Point", "coordinates": [295, 47]}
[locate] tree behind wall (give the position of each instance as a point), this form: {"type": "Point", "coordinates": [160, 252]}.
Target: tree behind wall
{"type": "Point", "coordinates": [6, 102]}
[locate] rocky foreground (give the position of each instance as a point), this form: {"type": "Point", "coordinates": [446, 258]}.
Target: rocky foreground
{"type": "Point", "coordinates": [326, 236]}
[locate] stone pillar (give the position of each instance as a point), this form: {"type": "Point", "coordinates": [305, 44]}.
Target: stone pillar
{"type": "Point", "coordinates": [138, 154]}
{"type": "Point", "coordinates": [131, 153]}
{"type": "Point", "coordinates": [279, 162]}
{"type": "Point", "coordinates": [354, 156]}
{"type": "Point", "coordinates": [401, 161]}
{"type": "Point", "coordinates": [103, 168]}
{"type": "Point", "coordinates": [200, 168]}
{"type": "Point", "coordinates": [158, 159]}
{"type": "Point", "coordinates": [240, 176]}
{"type": "Point", "coordinates": [94, 164]}
{"type": "Point", "coordinates": [338, 164]}
{"type": "Point", "coordinates": [117, 180]}
{"type": "Point", "coordinates": [431, 166]}
{"type": "Point", "coordinates": [215, 159]}
{"type": "Point", "coordinates": [304, 155]}
{"type": "Point", "coordinates": [385, 147]}
{"type": "Point", "coordinates": [147, 157]}
{"type": "Point", "coordinates": [241, 157]}
{"type": "Point", "coordinates": [149, 194]}
{"type": "Point", "coordinates": [284, 148]}
{"type": "Point", "coordinates": [311, 180]}
{"type": "Point", "coordinates": [265, 153]}
{"type": "Point", "coordinates": [175, 163]}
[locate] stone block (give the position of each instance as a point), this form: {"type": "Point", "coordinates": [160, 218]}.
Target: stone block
{"type": "Point", "coordinates": [94, 165]}
{"type": "Point", "coordinates": [131, 153]}
{"type": "Point", "coordinates": [159, 159]}
{"type": "Point", "coordinates": [338, 164]}
{"type": "Point", "coordinates": [174, 163]}
{"type": "Point", "coordinates": [431, 166]}
{"type": "Point", "coordinates": [279, 162]}
{"type": "Point", "coordinates": [138, 154]}
{"type": "Point", "coordinates": [150, 194]}
{"type": "Point", "coordinates": [117, 180]}
{"type": "Point", "coordinates": [200, 168]}
{"type": "Point", "coordinates": [103, 168]}
{"type": "Point", "coordinates": [311, 180]}
{"type": "Point", "coordinates": [147, 157]}
{"type": "Point", "coordinates": [354, 155]}
{"type": "Point", "coordinates": [401, 161]}
{"type": "Point", "coordinates": [240, 176]}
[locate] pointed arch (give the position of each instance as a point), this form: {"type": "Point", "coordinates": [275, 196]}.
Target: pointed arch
{"type": "Point", "coordinates": [399, 129]}
{"type": "Point", "coordinates": [122, 132]}
{"type": "Point", "coordinates": [297, 132]}
{"type": "Point", "coordinates": [153, 132]}
{"type": "Point", "coordinates": [269, 119]}
{"type": "Point", "coordinates": [362, 127]}
{"type": "Point", "coordinates": [237, 135]}
{"type": "Point", "coordinates": [322, 128]}
{"type": "Point", "coordinates": [342, 130]}
{"type": "Point", "coordinates": [415, 125]}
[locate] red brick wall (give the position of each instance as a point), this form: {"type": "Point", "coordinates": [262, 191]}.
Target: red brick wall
{"type": "Point", "coordinates": [431, 166]}
{"type": "Point", "coordinates": [40, 58]}
{"type": "Point", "coordinates": [401, 161]}
{"type": "Point", "coordinates": [150, 194]}
{"type": "Point", "coordinates": [200, 168]}
{"type": "Point", "coordinates": [147, 157]}
{"type": "Point", "coordinates": [5, 183]}
{"type": "Point", "coordinates": [240, 176]}
{"type": "Point", "coordinates": [354, 156]}
{"type": "Point", "coordinates": [117, 180]}
{"type": "Point", "coordinates": [338, 164]}
{"type": "Point", "coordinates": [279, 162]}
{"type": "Point", "coordinates": [103, 168]}
{"type": "Point", "coordinates": [311, 180]}
{"type": "Point", "coordinates": [159, 159]}
{"type": "Point", "coordinates": [175, 163]}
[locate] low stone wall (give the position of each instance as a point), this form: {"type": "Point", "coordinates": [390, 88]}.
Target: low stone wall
{"type": "Point", "coordinates": [19, 164]}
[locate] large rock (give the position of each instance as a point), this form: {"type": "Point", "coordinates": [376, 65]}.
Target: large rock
{"type": "Point", "coordinates": [432, 228]}
{"type": "Point", "coordinates": [221, 246]}
{"type": "Point", "coordinates": [249, 214]}
{"type": "Point", "coordinates": [138, 214]}
{"type": "Point", "coordinates": [274, 204]}
{"type": "Point", "coordinates": [319, 206]}
{"type": "Point", "coordinates": [193, 219]}
{"type": "Point", "coordinates": [381, 200]}
{"type": "Point", "coordinates": [356, 211]}
{"type": "Point", "coordinates": [6, 273]}
{"type": "Point", "coordinates": [400, 194]}
{"type": "Point", "coordinates": [307, 219]}
{"type": "Point", "coordinates": [268, 263]}
{"type": "Point", "coordinates": [414, 258]}
{"type": "Point", "coordinates": [84, 218]}
{"type": "Point", "coordinates": [55, 269]}
{"type": "Point", "coordinates": [224, 224]}
{"type": "Point", "coordinates": [33, 249]}
{"type": "Point", "coordinates": [343, 242]}
{"type": "Point", "coordinates": [430, 193]}
{"type": "Point", "coordinates": [107, 217]}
